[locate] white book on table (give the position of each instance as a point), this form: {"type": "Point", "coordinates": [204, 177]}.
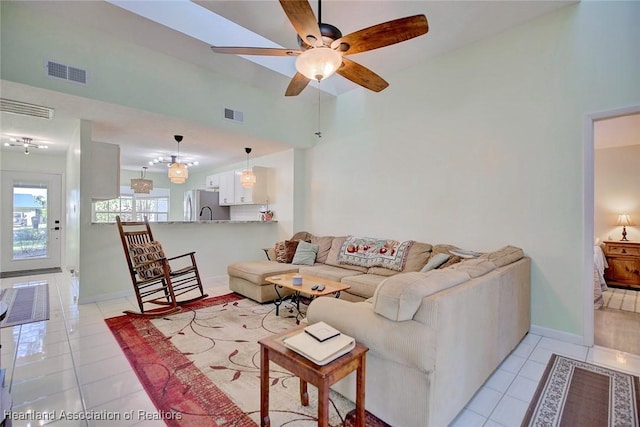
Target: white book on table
{"type": "Point", "coordinates": [318, 352]}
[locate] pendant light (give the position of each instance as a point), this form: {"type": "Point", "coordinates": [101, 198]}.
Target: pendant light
{"type": "Point", "coordinates": [142, 185]}
{"type": "Point", "coordinates": [178, 172]}
{"type": "Point", "coordinates": [248, 178]}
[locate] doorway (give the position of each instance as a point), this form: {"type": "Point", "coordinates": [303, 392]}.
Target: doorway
{"type": "Point", "coordinates": [30, 222]}
{"type": "Point", "coordinates": [597, 223]}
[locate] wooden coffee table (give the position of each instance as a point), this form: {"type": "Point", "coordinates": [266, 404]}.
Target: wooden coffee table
{"type": "Point", "coordinates": [273, 349]}
{"type": "Point", "coordinates": [286, 281]}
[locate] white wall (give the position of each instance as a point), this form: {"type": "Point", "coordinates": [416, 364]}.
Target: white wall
{"type": "Point", "coordinates": [617, 190]}
{"type": "Point", "coordinates": [483, 147]}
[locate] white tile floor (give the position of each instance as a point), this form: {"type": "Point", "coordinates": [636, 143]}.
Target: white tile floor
{"type": "Point", "coordinates": [72, 363]}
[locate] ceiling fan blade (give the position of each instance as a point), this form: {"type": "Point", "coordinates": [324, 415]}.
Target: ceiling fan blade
{"type": "Point", "coordinates": [303, 20]}
{"type": "Point", "coordinates": [297, 84]}
{"type": "Point", "coordinates": [361, 75]}
{"type": "Point", "coordinates": [264, 51]}
{"type": "Point", "coordinates": [382, 35]}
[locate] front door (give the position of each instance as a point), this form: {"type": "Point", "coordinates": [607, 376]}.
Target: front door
{"type": "Point", "coordinates": [31, 226]}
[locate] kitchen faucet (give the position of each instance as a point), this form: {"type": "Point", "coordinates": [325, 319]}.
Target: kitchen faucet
{"type": "Point", "coordinates": [210, 212]}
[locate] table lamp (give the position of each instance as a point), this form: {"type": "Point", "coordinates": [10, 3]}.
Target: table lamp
{"type": "Point", "coordinates": [624, 220]}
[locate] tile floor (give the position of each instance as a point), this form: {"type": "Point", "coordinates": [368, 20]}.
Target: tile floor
{"type": "Point", "coordinates": [72, 362]}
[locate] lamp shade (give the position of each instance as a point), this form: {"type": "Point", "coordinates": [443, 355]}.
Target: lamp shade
{"type": "Point", "coordinates": [178, 173]}
{"type": "Point", "coordinates": [318, 63]}
{"type": "Point", "coordinates": [141, 185]}
{"type": "Point", "coordinates": [248, 178]}
{"type": "Point", "coordinates": [624, 220]}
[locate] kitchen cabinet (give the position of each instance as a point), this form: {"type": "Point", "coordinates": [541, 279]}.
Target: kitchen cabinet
{"type": "Point", "coordinates": [212, 181]}
{"type": "Point", "coordinates": [624, 263]}
{"type": "Point", "coordinates": [227, 188]}
{"type": "Point", "coordinates": [233, 193]}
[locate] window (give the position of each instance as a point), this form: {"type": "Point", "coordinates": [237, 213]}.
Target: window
{"type": "Point", "coordinates": [134, 207]}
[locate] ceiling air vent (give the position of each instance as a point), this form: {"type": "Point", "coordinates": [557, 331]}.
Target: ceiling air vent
{"type": "Point", "coordinates": [66, 72]}
{"type": "Point", "coordinates": [24, 109]}
{"type": "Point", "coordinates": [236, 116]}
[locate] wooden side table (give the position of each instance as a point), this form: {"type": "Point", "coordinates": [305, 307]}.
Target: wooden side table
{"type": "Point", "coordinates": [273, 349]}
{"type": "Point", "coordinates": [624, 263]}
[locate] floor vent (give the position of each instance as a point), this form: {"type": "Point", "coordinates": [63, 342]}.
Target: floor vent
{"type": "Point", "coordinates": [24, 109]}
{"type": "Point", "coordinates": [236, 116]}
{"type": "Point", "coordinates": [66, 72]}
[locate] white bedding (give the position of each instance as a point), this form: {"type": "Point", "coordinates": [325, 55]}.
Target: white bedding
{"type": "Point", "coordinates": [599, 284]}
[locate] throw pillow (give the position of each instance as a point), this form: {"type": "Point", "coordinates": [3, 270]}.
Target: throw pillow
{"type": "Point", "coordinates": [435, 261]}
{"type": "Point", "coordinates": [290, 249]}
{"type": "Point", "coordinates": [143, 252]}
{"type": "Point", "coordinates": [305, 254]}
{"type": "Point", "coordinates": [281, 252]}
{"type": "Point", "coordinates": [453, 260]}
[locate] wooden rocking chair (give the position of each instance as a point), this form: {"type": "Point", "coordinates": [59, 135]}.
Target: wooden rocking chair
{"type": "Point", "coordinates": [154, 281]}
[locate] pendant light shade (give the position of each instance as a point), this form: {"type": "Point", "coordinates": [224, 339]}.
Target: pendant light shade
{"type": "Point", "coordinates": [142, 185]}
{"type": "Point", "coordinates": [247, 178]}
{"type": "Point", "coordinates": [178, 172]}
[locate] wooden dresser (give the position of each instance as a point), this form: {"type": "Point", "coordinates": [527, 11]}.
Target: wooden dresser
{"type": "Point", "coordinates": [624, 263]}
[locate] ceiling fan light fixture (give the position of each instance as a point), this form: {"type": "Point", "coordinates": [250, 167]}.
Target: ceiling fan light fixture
{"type": "Point", "coordinates": [318, 63]}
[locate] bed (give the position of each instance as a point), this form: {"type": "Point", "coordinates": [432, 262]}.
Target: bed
{"type": "Point", "coordinates": [599, 284]}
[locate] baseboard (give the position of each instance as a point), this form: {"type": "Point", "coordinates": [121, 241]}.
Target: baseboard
{"type": "Point", "coordinates": [556, 334]}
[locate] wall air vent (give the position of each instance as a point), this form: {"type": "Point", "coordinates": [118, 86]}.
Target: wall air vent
{"type": "Point", "coordinates": [24, 109]}
{"type": "Point", "coordinates": [236, 116]}
{"type": "Point", "coordinates": [66, 72]}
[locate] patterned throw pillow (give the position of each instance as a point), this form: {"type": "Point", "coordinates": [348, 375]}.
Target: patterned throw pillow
{"type": "Point", "coordinates": [143, 252]}
{"type": "Point", "coordinates": [281, 252]}
{"type": "Point", "coordinates": [291, 246]}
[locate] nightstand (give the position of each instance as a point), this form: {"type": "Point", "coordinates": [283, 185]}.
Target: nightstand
{"type": "Point", "coordinates": [624, 263]}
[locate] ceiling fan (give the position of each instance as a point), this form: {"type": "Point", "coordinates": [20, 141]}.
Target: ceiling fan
{"type": "Point", "coordinates": [323, 47]}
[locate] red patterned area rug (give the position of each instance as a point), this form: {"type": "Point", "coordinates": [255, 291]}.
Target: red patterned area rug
{"type": "Point", "coordinates": [201, 367]}
{"type": "Point", "coordinates": [575, 393]}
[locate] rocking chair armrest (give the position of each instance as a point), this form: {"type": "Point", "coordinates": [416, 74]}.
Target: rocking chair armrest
{"type": "Point", "coordinates": [181, 256]}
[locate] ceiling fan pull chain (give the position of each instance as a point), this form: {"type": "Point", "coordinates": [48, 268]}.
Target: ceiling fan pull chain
{"type": "Point", "coordinates": [318, 133]}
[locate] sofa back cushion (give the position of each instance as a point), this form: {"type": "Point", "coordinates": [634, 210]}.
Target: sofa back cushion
{"type": "Point", "coordinates": [399, 297]}
{"type": "Point", "coordinates": [324, 246]}
{"type": "Point", "coordinates": [503, 256]}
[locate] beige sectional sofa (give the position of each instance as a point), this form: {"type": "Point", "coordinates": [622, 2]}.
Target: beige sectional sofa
{"type": "Point", "coordinates": [434, 337]}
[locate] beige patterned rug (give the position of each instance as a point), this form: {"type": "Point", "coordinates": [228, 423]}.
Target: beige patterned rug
{"type": "Point", "coordinates": [621, 299]}
{"type": "Point", "coordinates": [27, 302]}
{"type": "Point", "coordinates": [574, 393]}
{"type": "Point", "coordinates": [201, 367]}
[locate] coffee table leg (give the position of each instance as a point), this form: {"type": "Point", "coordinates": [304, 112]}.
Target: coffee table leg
{"type": "Point", "coordinates": [323, 404]}
{"type": "Point", "coordinates": [360, 376]}
{"type": "Point", "coordinates": [304, 396]}
{"type": "Point", "coordinates": [264, 387]}
{"type": "Point", "coordinates": [278, 300]}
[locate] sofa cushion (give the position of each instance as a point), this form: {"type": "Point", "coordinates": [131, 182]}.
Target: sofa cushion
{"type": "Point", "coordinates": [256, 271]}
{"type": "Point", "coordinates": [373, 252]}
{"type": "Point", "coordinates": [332, 257]}
{"type": "Point", "coordinates": [453, 259]}
{"type": "Point", "coordinates": [324, 246]}
{"type": "Point", "coordinates": [417, 257]}
{"type": "Point", "coordinates": [503, 256]}
{"type": "Point", "coordinates": [399, 297]}
{"type": "Point", "coordinates": [327, 272]}
{"type": "Point", "coordinates": [435, 261]}
{"type": "Point", "coordinates": [305, 253]}
{"type": "Point", "coordinates": [363, 285]}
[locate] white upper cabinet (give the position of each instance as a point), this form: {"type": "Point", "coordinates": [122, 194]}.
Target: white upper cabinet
{"type": "Point", "coordinates": [233, 193]}
{"type": "Point", "coordinates": [212, 181]}
{"type": "Point", "coordinates": [227, 188]}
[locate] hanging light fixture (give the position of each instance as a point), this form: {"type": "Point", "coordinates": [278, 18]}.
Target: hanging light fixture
{"type": "Point", "coordinates": [24, 142]}
{"type": "Point", "coordinates": [248, 178]}
{"type": "Point", "coordinates": [178, 172]}
{"type": "Point", "coordinates": [142, 185]}
{"type": "Point", "coordinates": [318, 63]}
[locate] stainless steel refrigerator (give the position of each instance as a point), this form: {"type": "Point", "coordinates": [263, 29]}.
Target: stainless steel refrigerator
{"type": "Point", "coordinates": [202, 205]}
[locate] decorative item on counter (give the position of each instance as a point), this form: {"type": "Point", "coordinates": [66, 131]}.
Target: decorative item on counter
{"type": "Point", "coordinates": [265, 213]}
